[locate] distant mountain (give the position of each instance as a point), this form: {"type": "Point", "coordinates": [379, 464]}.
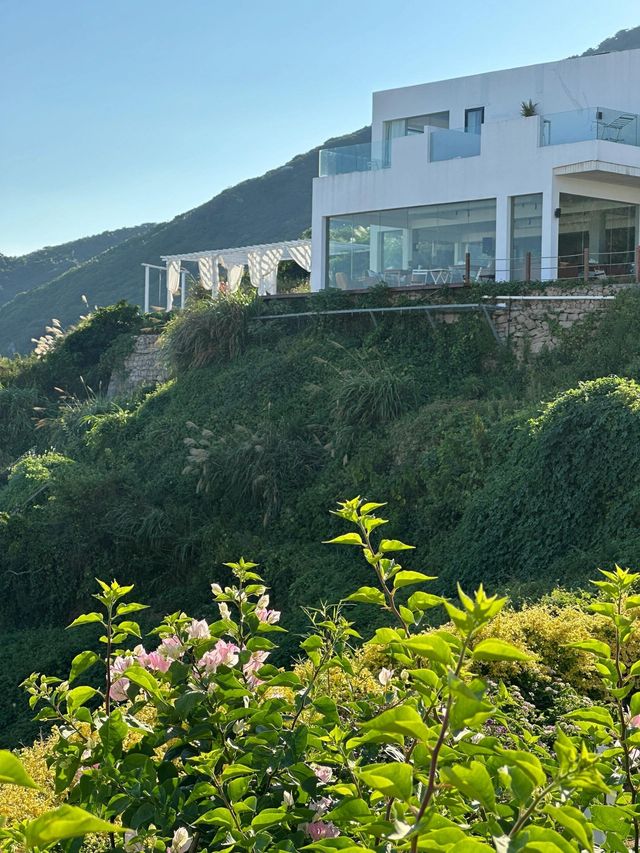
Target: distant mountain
{"type": "Point", "coordinates": [276, 206]}
{"type": "Point", "coordinates": [28, 271]}
{"type": "Point", "coordinates": [623, 40]}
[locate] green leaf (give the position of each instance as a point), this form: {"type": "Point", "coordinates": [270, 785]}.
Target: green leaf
{"type": "Point", "coordinates": [86, 619]}
{"type": "Point", "coordinates": [394, 779]}
{"type": "Point", "coordinates": [367, 595]}
{"type": "Point", "coordinates": [597, 648]}
{"type": "Point", "coordinates": [143, 679]}
{"type": "Point", "coordinates": [402, 721]}
{"type": "Point", "coordinates": [131, 628]}
{"type": "Point", "coordinates": [82, 662]}
{"type": "Point", "coordinates": [350, 808]}
{"type": "Point", "coordinates": [269, 817]}
{"type": "Point", "coordinates": [610, 819]}
{"type": "Point", "coordinates": [387, 545]}
{"type": "Point", "coordinates": [63, 823]}
{"type": "Point", "coordinates": [78, 697]}
{"type": "Point", "coordinates": [472, 781]}
{"type": "Point", "coordinates": [430, 646]}
{"type": "Point", "coordinates": [345, 539]}
{"type": "Point", "coordinates": [595, 714]}
{"type": "Point", "coordinates": [124, 609]}
{"type": "Point", "coordinates": [526, 762]}
{"type": "Point", "coordinates": [217, 817]}
{"type": "Point", "coordinates": [12, 772]}
{"type": "Point", "coordinates": [406, 578]}
{"type": "Point", "coordinates": [574, 822]}
{"type": "Point", "coordinates": [493, 649]}
{"type": "Point", "coordinates": [424, 600]}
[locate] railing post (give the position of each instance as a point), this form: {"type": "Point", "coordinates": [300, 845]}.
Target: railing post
{"type": "Point", "coordinates": [147, 273]}
{"type": "Point", "coordinates": [467, 268]}
{"type": "Point", "coordinates": [527, 267]}
{"type": "Point", "coordinates": [637, 264]}
{"type": "Point", "coordinates": [183, 288]}
{"type": "Point", "coordinates": [585, 261]}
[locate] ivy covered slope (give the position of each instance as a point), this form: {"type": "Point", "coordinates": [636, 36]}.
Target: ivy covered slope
{"type": "Point", "coordinates": [242, 454]}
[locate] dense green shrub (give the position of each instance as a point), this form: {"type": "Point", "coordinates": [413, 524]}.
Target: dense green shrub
{"type": "Point", "coordinates": [568, 484]}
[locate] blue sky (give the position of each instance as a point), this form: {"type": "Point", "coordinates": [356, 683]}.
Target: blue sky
{"type": "Point", "coordinates": [117, 112]}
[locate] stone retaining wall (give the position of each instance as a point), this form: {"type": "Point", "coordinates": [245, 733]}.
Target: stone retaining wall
{"type": "Point", "coordinates": [534, 322]}
{"type": "Point", "coordinates": [145, 366]}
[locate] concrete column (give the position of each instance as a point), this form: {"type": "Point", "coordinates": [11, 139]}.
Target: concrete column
{"type": "Point", "coordinates": [503, 237]}
{"type": "Point", "coordinates": [319, 252]}
{"type": "Point", "coordinates": [147, 272]}
{"type": "Point", "coordinates": [550, 230]}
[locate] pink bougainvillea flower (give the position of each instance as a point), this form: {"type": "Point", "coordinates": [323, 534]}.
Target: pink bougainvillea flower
{"type": "Point", "coordinates": [222, 654]}
{"type": "Point", "coordinates": [322, 829]}
{"type": "Point", "coordinates": [268, 616]}
{"type": "Point", "coordinates": [171, 647]}
{"type": "Point", "coordinates": [118, 691]}
{"type": "Point", "coordinates": [157, 662]}
{"type": "Point", "coordinates": [323, 773]}
{"type": "Point", "coordinates": [199, 630]}
{"type": "Point", "coordinates": [250, 668]}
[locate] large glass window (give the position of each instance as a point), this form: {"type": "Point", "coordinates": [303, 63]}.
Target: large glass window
{"type": "Point", "coordinates": [526, 235]}
{"type": "Point", "coordinates": [607, 229]}
{"type": "Point", "coordinates": [416, 245]}
{"type": "Point", "coordinates": [409, 127]}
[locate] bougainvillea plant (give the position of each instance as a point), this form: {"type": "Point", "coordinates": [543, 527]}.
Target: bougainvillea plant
{"type": "Point", "coordinates": [198, 742]}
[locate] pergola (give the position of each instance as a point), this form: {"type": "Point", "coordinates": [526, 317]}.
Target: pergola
{"type": "Point", "coordinates": [262, 260]}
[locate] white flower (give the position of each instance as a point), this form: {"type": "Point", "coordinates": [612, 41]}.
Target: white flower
{"type": "Point", "coordinates": [199, 630]}
{"type": "Point", "coordinates": [263, 602]}
{"type": "Point", "coordinates": [216, 589]}
{"type": "Point", "coordinates": [323, 773]}
{"type": "Point", "coordinates": [181, 841]}
{"type": "Point", "coordinates": [287, 799]}
{"type": "Point", "coordinates": [384, 676]}
{"type": "Point", "coordinates": [225, 613]}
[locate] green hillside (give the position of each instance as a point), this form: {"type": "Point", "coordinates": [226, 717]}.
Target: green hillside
{"type": "Point", "coordinates": [484, 477]}
{"type": "Point", "coordinates": [276, 206]}
{"type": "Point", "coordinates": [25, 272]}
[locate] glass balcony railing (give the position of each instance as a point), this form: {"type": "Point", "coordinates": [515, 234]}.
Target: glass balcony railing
{"type": "Point", "coordinates": [451, 144]}
{"type": "Point", "coordinates": [590, 123]}
{"type": "Point", "coordinates": [365, 157]}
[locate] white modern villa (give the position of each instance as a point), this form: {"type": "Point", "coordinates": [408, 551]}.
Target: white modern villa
{"type": "Point", "coordinates": [459, 180]}
{"type": "Point", "coordinates": [530, 173]}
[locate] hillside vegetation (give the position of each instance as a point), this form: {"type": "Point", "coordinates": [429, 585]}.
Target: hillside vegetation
{"type": "Point", "coordinates": [18, 274]}
{"type": "Point", "coordinates": [243, 455]}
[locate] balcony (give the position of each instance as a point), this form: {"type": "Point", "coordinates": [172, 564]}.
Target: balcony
{"type": "Point", "coordinates": [365, 157]}
{"type": "Point", "coordinates": [451, 144]}
{"type": "Point", "coordinates": [588, 124]}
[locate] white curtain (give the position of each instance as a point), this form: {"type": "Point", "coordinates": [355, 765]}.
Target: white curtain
{"type": "Point", "coordinates": [263, 269]}
{"type": "Point", "coordinates": [234, 276]}
{"type": "Point", "coordinates": [301, 255]}
{"type": "Point", "coordinates": [208, 270]}
{"type": "Point", "coordinates": [173, 281]}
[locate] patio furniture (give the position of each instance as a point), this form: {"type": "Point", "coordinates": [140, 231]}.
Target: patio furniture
{"type": "Point", "coordinates": [436, 275]}
{"type": "Point", "coordinates": [612, 130]}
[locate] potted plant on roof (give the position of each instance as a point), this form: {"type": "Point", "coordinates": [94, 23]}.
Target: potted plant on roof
{"type": "Point", "coordinates": [528, 108]}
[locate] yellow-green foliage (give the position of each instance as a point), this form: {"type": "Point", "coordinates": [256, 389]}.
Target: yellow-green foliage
{"type": "Point", "coordinates": [16, 803]}
{"type": "Point", "coordinates": [545, 630]}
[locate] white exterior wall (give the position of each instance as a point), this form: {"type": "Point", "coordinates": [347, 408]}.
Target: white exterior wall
{"type": "Point", "coordinates": [511, 161]}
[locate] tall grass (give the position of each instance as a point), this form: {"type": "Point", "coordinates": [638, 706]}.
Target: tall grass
{"type": "Point", "coordinates": [208, 331]}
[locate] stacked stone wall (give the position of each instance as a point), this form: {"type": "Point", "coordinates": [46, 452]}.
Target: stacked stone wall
{"type": "Point", "coordinates": [144, 367]}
